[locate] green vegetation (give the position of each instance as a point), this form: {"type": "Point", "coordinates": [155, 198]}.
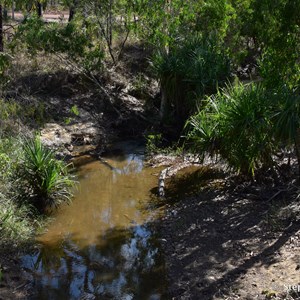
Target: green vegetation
{"type": "Point", "coordinates": [45, 180]}
{"type": "Point", "coordinates": [194, 49]}
{"type": "Point", "coordinates": [246, 124]}
{"type": "Point", "coordinates": [31, 179]}
{"type": "Point", "coordinates": [16, 225]}
{"type": "Point", "coordinates": [188, 72]}
{"type": "Point", "coordinates": [71, 41]}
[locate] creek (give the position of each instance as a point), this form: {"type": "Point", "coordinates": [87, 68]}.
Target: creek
{"type": "Point", "coordinates": [103, 245]}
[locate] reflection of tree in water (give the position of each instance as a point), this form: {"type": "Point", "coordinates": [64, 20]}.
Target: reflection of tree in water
{"type": "Point", "coordinates": [96, 255]}
{"type": "Point", "coordinates": [122, 265]}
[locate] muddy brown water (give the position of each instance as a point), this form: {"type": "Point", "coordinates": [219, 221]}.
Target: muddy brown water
{"type": "Point", "coordinates": [103, 246]}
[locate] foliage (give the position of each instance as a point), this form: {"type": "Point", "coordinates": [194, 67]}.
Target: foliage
{"type": "Point", "coordinates": [110, 22]}
{"type": "Point", "coordinates": [5, 61]}
{"type": "Point", "coordinates": [164, 23]}
{"type": "Point", "coordinates": [236, 124]}
{"type": "Point", "coordinates": [277, 27]}
{"type": "Point", "coordinates": [188, 72]}
{"type": "Point", "coordinates": [60, 39]}
{"type": "Point", "coordinates": [13, 115]}
{"type": "Point", "coordinates": [14, 222]}
{"type": "Point", "coordinates": [286, 116]}
{"type": "Point", "coordinates": [154, 141]}
{"type": "Point", "coordinates": [45, 180]}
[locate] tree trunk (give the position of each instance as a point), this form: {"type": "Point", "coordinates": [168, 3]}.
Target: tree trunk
{"type": "Point", "coordinates": [110, 22]}
{"type": "Point", "coordinates": [163, 104]}
{"type": "Point", "coordinates": [72, 11]}
{"type": "Point", "coordinates": [1, 30]}
{"type": "Point", "coordinates": [297, 147]}
{"type": "Point", "coordinates": [39, 9]}
{"type": "Point", "coordinates": [5, 14]}
{"type": "Point", "coordinates": [13, 10]}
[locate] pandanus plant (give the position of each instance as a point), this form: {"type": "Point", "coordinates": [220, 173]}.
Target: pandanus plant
{"type": "Point", "coordinates": [235, 124]}
{"type": "Point", "coordinates": [246, 125]}
{"type": "Point", "coordinates": [46, 180]}
{"type": "Point", "coordinates": [190, 69]}
{"type": "Point", "coordinates": [287, 119]}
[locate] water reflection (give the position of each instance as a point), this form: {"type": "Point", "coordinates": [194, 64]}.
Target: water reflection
{"type": "Point", "coordinates": [100, 246]}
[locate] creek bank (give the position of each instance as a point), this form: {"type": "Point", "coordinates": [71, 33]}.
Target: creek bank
{"type": "Point", "coordinates": [223, 239]}
{"type": "Point", "coordinates": [15, 283]}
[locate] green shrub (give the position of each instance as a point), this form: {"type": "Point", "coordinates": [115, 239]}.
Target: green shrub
{"type": "Point", "coordinates": [15, 224]}
{"type": "Point", "coordinates": [286, 118]}
{"type": "Point", "coordinates": [67, 39]}
{"type": "Point", "coordinates": [13, 116]}
{"type": "Point", "coordinates": [154, 141]}
{"type": "Point", "coordinates": [45, 180]}
{"type": "Point", "coordinates": [4, 63]}
{"type": "Point", "coordinates": [236, 124]}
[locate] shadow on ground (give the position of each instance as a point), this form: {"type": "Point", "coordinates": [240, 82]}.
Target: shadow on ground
{"type": "Point", "coordinates": [229, 242]}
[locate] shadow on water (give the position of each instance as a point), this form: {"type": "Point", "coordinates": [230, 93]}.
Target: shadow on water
{"type": "Point", "coordinates": [187, 182]}
{"type": "Point", "coordinates": [190, 180]}
{"type": "Point", "coordinates": [103, 246]}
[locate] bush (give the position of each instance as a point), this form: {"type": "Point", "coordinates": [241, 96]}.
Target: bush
{"type": "Point", "coordinates": [188, 72]}
{"type": "Point", "coordinates": [4, 63]}
{"type": "Point", "coordinates": [15, 224]}
{"type": "Point", "coordinates": [45, 181]}
{"type": "Point", "coordinates": [54, 38]}
{"type": "Point", "coordinates": [236, 123]}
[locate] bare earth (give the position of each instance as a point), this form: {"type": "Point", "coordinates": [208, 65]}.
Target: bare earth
{"type": "Point", "coordinates": [228, 242]}
{"type": "Point", "coordinates": [48, 16]}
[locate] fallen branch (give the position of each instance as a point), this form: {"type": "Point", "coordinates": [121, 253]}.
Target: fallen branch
{"type": "Point", "coordinates": [161, 182]}
{"type": "Point", "coordinates": [169, 172]}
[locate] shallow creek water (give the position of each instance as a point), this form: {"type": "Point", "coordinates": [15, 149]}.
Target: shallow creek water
{"type": "Point", "coordinates": [103, 246]}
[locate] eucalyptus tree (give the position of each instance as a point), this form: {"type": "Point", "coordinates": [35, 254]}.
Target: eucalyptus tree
{"type": "Point", "coordinates": [110, 20]}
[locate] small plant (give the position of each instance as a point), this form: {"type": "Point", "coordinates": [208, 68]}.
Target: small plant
{"type": "Point", "coordinates": [46, 180]}
{"type": "Point", "coordinates": [154, 141]}
{"type": "Point", "coordinates": [14, 222]}
{"type": "Point", "coordinates": [75, 111]}
{"type": "Point", "coordinates": [4, 63]}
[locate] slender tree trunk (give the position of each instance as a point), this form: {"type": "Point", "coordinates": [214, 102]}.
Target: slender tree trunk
{"type": "Point", "coordinates": [110, 21]}
{"type": "Point", "coordinates": [72, 11]}
{"type": "Point", "coordinates": [1, 29]}
{"type": "Point", "coordinates": [5, 13]}
{"type": "Point", "coordinates": [297, 146]}
{"type": "Point", "coordinates": [163, 104]}
{"type": "Point", "coordinates": [39, 9]}
{"type": "Point", "coordinates": [13, 10]}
